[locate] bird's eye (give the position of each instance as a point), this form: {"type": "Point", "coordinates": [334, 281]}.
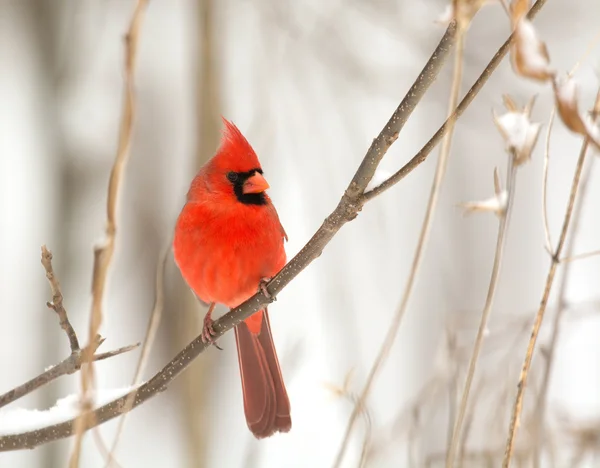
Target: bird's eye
{"type": "Point", "coordinates": [232, 176]}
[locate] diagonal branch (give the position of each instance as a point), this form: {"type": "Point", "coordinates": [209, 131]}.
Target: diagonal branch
{"type": "Point", "coordinates": [348, 208]}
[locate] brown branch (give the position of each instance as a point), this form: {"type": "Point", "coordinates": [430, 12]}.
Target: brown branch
{"type": "Point", "coordinates": [554, 262]}
{"type": "Point", "coordinates": [57, 301]}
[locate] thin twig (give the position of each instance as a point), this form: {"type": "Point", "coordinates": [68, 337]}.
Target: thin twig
{"type": "Point", "coordinates": [57, 301]}
{"type": "Point", "coordinates": [103, 254]}
{"type": "Point", "coordinates": [555, 261]}
{"type": "Point", "coordinates": [151, 330]}
{"type": "Point", "coordinates": [392, 331]}
{"type": "Point", "coordinates": [487, 309]}
{"type": "Point", "coordinates": [572, 258]}
{"type": "Point", "coordinates": [540, 408]}
{"type": "Point", "coordinates": [115, 352]}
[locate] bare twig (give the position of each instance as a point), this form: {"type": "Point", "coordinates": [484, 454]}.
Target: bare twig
{"type": "Point", "coordinates": [555, 261]}
{"type": "Point", "coordinates": [115, 352]}
{"type": "Point", "coordinates": [153, 324]}
{"type": "Point", "coordinates": [487, 309]}
{"type": "Point", "coordinates": [57, 301]}
{"type": "Point", "coordinates": [392, 331]}
{"type": "Point", "coordinates": [103, 253]}
{"type": "Point", "coordinates": [572, 258]}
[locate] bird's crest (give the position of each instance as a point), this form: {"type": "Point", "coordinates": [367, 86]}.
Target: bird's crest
{"type": "Point", "coordinates": [235, 153]}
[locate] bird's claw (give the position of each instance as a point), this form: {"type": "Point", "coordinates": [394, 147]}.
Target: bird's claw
{"type": "Point", "coordinates": [262, 287]}
{"type": "Point", "coordinates": [208, 332]}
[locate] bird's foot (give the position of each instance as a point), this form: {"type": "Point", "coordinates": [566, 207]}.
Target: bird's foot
{"type": "Point", "coordinates": [262, 287]}
{"type": "Point", "coordinates": [208, 332]}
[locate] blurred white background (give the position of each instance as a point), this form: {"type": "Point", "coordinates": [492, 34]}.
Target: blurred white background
{"type": "Point", "coordinates": [310, 84]}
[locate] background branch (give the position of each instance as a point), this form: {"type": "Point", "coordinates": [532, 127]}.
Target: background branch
{"type": "Point", "coordinates": [103, 254]}
{"type": "Point", "coordinates": [392, 330]}
{"type": "Point", "coordinates": [539, 317]}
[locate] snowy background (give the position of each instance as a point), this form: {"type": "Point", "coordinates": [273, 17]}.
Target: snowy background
{"type": "Point", "coordinates": [310, 84]}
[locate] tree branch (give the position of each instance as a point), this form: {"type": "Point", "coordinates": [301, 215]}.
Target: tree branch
{"type": "Point", "coordinates": [348, 208]}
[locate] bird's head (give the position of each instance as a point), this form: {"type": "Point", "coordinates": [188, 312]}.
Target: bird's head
{"type": "Point", "coordinates": [235, 170]}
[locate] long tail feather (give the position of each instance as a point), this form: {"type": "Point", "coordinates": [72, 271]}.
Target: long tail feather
{"type": "Point", "coordinates": [266, 403]}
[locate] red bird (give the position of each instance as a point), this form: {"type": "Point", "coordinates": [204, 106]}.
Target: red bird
{"type": "Point", "coordinates": [228, 241]}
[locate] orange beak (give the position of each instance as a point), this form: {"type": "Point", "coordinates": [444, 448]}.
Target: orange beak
{"type": "Point", "coordinates": [255, 184]}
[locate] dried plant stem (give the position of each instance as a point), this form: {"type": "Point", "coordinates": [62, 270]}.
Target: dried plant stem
{"type": "Point", "coordinates": [419, 251]}
{"type": "Point", "coordinates": [571, 258]}
{"type": "Point", "coordinates": [540, 408]}
{"type": "Point", "coordinates": [555, 261]}
{"type": "Point", "coordinates": [545, 183]}
{"type": "Point", "coordinates": [487, 309]}
{"type": "Point", "coordinates": [151, 330]}
{"type": "Point", "coordinates": [103, 253]}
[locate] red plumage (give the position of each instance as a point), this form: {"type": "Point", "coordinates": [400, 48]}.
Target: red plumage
{"type": "Point", "coordinates": [228, 238]}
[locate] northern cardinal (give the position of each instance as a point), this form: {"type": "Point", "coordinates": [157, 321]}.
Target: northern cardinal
{"type": "Point", "coordinates": [228, 242]}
